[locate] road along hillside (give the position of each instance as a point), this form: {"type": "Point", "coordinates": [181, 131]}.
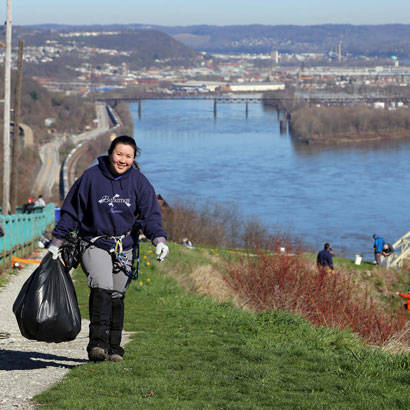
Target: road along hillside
{"type": "Point", "coordinates": [50, 157]}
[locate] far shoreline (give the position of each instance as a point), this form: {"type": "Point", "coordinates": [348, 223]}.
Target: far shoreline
{"type": "Point", "coordinates": [354, 139]}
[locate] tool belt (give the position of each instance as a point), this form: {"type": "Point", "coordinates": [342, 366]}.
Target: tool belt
{"type": "Point", "coordinates": [74, 246]}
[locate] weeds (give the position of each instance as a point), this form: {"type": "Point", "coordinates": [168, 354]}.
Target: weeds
{"type": "Point", "coordinates": [282, 281]}
{"type": "Point", "coordinates": [188, 352]}
{"type": "Point", "coordinates": [222, 226]}
{"type": "Point", "coordinates": [285, 279]}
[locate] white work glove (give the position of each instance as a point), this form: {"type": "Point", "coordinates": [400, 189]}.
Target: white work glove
{"type": "Point", "coordinates": [161, 251]}
{"type": "Point", "coordinates": [55, 251]}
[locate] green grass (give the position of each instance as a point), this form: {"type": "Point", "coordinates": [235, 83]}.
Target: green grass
{"type": "Point", "coordinates": [3, 281]}
{"type": "Point", "coordinates": [347, 263]}
{"type": "Point", "coordinates": [5, 275]}
{"type": "Point", "coordinates": [382, 282]}
{"type": "Point", "coordinates": [350, 264]}
{"type": "Point", "coordinates": [189, 352]}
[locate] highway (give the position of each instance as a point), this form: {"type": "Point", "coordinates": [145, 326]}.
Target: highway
{"type": "Point", "coordinates": [49, 171]}
{"type": "Point", "coordinates": [50, 158]}
{"type": "Point", "coordinates": [103, 125]}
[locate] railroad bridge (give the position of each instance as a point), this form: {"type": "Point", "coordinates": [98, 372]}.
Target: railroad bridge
{"type": "Point", "coordinates": [280, 104]}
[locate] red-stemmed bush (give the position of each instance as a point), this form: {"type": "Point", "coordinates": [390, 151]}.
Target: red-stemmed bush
{"type": "Point", "coordinates": [289, 281]}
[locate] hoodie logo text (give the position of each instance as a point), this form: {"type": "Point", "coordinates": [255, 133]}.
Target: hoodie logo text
{"type": "Point", "coordinates": [106, 199]}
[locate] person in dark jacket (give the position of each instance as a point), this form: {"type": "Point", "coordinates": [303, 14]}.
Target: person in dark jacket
{"type": "Point", "coordinates": [387, 252]}
{"type": "Point", "coordinates": [28, 206]}
{"type": "Point", "coordinates": [108, 206]}
{"type": "Point", "coordinates": [325, 258]}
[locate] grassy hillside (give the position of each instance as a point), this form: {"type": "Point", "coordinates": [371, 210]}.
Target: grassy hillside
{"type": "Point", "coordinates": [190, 351]}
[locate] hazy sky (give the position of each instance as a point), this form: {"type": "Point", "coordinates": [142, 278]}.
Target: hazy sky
{"type": "Point", "coordinates": [217, 12]}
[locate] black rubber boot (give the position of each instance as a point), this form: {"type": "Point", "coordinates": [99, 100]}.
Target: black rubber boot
{"type": "Point", "coordinates": [100, 320]}
{"type": "Point", "coordinates": [116, 352]}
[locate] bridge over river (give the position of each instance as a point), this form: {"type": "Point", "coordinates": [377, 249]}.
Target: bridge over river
{"type": "Point", "coordinates": [280, 103]}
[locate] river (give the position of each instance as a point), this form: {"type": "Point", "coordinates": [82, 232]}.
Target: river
{"type": "Point", "coordinates": [339, 195]}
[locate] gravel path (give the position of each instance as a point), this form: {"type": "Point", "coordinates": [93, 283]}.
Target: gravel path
{"type": "Point", "coordinates": [28, 367]}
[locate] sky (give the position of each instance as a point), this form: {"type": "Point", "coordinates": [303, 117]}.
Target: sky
{"type": "Point", "coordinates": [212, 12]}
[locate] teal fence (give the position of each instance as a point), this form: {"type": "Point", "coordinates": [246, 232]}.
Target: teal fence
{"type": "Point", "coordinates": [21, 230]}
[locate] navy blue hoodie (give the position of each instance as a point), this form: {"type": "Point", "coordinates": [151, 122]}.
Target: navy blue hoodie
{"type": "Point", "coordinates": [324, 258]}
{"type": "Point", "coordinates": [100, 203]}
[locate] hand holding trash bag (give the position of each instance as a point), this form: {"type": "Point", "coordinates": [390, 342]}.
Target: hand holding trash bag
{"type": "Point", "coordinates": [46, 308]}
{"type": "Point", "coordinates": [54, 250]}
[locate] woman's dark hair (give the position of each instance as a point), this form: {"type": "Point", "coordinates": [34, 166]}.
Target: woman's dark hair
{"type": "Point", "coordinates": [126, 140]}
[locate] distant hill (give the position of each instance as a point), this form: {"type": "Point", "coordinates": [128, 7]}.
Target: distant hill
{"type": "Point", "coordinates": [139, 47]}
{"type": "Point", "coordinates": [370, 40]}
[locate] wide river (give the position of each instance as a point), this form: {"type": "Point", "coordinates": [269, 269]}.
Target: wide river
{"type": "Point", "coordinates": [339, 195]}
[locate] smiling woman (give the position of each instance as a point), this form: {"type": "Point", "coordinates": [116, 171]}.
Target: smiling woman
{"type": "Point", "coordinates": [108, 206]}
{"type": "Point", "coordinates": [121, 159]}
{"type": "Point", "coordinates": [122, 153]}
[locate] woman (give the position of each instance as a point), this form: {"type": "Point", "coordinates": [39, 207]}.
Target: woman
{"type": "Point", "coordinates": [107, 206]}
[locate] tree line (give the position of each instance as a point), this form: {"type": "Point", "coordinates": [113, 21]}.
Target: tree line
{"type": "Point", "coordinates": [330, 124]}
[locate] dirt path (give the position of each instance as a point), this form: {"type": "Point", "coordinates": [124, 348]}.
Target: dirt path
{"type": "Point", "coordinates": [28, 367]}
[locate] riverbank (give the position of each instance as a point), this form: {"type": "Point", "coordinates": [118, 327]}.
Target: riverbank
{"type": "Point", "coordinates": [359, 139]}
{"type": "Point", "coordinates": [349, 125]}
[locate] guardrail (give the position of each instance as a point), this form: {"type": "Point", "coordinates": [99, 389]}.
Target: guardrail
{"type": "Point", "coordinates": [21, 230]}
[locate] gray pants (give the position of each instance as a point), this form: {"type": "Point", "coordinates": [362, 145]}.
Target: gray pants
{"type": "Point", "coordinates": [378, 258]}
{"type": "Point", "coordinates": [102, 273]}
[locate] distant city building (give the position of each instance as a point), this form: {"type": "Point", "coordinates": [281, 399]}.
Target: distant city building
{"type": "Point", "coordinates": [256, 87]}
{"type": "Point", "coordinates": [212, 86]}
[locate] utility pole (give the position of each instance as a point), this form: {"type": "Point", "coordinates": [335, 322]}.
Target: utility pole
{"type": "Point", "coordinates": [16, 130]}
{"type": "Point", "coordinates": [6, 118]}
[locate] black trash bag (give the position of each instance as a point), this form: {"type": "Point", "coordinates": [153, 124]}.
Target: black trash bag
{"type": "Point", "coordinates": [46, 308]}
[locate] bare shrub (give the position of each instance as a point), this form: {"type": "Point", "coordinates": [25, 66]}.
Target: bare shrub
{"type": "Point", "coordinates": [289, 281]}
{"type": "Point", "coordinates": [307, 122]}
{"type": "Point", "coordinates": [271, 278]}
{"type": "Point", "coordinates": [219, 225]}
{"type": "Point", "coordinates": [211, 225]}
